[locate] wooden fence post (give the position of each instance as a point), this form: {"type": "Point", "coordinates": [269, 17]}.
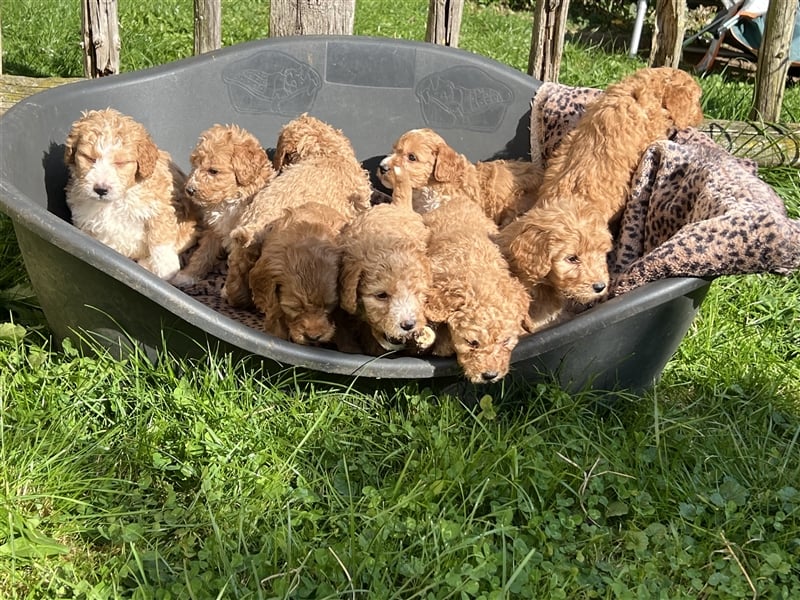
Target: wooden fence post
{"type": "Point", "coordinates": [547, 39]}
{"type": "Point", "coordinates": [666, 48]}
{"type": "Point", "coordinates": [773, 61]}
{"type": "Point", "coordinates": [444, 22]}
{"type": "Point", "coordinates": [207, 25]}
{"type": "Point", "coordinates": [310, 17]}
{"type": "Point", "coordinates": [100, 30]}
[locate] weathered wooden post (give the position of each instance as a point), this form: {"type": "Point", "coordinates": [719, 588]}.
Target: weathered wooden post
{"type": "Point", "coordinates": [773, 60]}
{"type": "Point", "coordinates": [666, 48]}
{"type": "Point", "coordinates": [444, 22]}
{"type": "Point", "coordinates": [207, 25]}
{"type": "Point", "coordinates": [547, 39]}
{"type": "Point", "coordinates": [310, 17]}
{"type": "Point", "coordinates": [100, 31]}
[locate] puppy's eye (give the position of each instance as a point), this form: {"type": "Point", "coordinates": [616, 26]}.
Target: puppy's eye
{"type": "Point", "coordinates": [382, 295]}
{"type": "Point", "coordinates": [87, 158]}
{"type": "Point", "coordinates": [122, 163]}
{"type": "Point", "coordinates": [573, 259]}
{"type": "Point", "coordinates": [212, 172]}
{"type": "Point", "coordinates": [412, 157]}
{"type": "Point", "coordinates": [474, 344]}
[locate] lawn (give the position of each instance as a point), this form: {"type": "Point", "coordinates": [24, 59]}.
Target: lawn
{"type": "Point", "coordinates": [211, 479]}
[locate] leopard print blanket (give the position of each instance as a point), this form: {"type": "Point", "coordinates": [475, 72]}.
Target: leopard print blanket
{"type": "Point", "coordinates": [694, 209]}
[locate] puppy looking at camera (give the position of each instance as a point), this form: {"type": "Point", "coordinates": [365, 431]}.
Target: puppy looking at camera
{"type": "Point", "coordinates": [126, 192]}
{"type": "Point", "coordinates": [386, 275]}
{"type": "Point", "coordinates": [229, 167]}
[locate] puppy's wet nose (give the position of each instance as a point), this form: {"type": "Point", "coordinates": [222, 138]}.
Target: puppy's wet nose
{"type": "Point", "coordinates": [190, 190]}
{"type": "Point", "coordinates": [598, 286]}
{"type": "Point", "coordinates": [489, 375]}
{"type": "Point", "coordinates": [100, 190]}
{"type": "Point", "coordinates": [408, 325]}
{"type": "Point", "coordinates": [383, 167]}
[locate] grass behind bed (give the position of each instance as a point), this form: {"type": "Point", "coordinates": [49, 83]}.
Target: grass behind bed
{"type": "Point", "coordinates": [211, 480]}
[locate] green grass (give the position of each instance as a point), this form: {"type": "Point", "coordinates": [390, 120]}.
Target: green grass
{"type": "Point", "coordinates": [124, 479]}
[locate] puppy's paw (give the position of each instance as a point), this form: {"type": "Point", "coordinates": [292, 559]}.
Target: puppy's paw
{"type": "Point", "coordinates": [163, 262]}
{"type": "Point", "coordinates": [183, 279]}
{"type": "Point", "coordinates": [426, 338]}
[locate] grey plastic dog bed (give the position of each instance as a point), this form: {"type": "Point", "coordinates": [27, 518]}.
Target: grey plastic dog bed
{"type": "Point", "coordinates": [374, 90]}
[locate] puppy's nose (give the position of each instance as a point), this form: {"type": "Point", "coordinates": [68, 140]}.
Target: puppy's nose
{"type": "Point", "coordinates": [598, 286]}
{"type": "Point", "coordinates": [408, 325]}
{"type": "Point", "coordinates": [313, 337]}
{"type": "Point", "coordinates": [100, 190]}
{"type": "Point", "coordinates": [489, 375]}
{"type": "Point", "coordinates": [383, 167]}
{"type": "Point", "coordinates": [190, 189]}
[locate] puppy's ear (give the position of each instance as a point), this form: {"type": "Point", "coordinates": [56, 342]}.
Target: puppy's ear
{"type": "Point", "coordinates": [264, 289]}
{"type": "Point", "coordinates": [349, 278]}
{"type": "Point", "coordinates": [248, 160]}
{"type": "Point", "coordinates": [526, 246]}
{"type": "Point", "coordinates": [443, 303]}
{"type": "Point", "coordinates": [682, 101]}
{"type": "Point", "coordinates": [447, 164]}
{"type": "Point", "coordinates": [146, 156]}
{"type": "Point", "coordinates": [69, 147]}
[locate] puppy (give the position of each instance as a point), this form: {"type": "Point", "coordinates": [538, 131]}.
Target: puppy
{"type": "Point", "coordinates": [503, 188]}
{"type": "Point", "coordinates": [315, 162]}
{"type": "Point", "coordinates": [127, 193]}
{"type": "Point", "coordinates": [295, 280]}
{"type": "Point", "coordinates": [562, 242]}
{"type": "Point", "coordinates": [478, 307]}
{"type": "Point", "coordinates": [385, 276]}
{"type": "Point", "coordinates": [228, 167]}
{"type": "Point", "coordinates": [560, 257]}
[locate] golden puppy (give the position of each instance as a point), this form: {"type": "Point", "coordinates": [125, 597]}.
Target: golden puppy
{"type": "Point", "coordinates": [385, 277]}
{"type": "Point", "coordinates": [586, 185]}
{"type": "Point", "coordinates": [479, 307]}
{"type": "Point", "coordinates": [228, 167]}
{"type": "Point", "coordinates": [295, 280]}
{"type": "Point", "coordinates": [316, 162]}
{"type": "Point", "coordinates": [503, 188]}
{"type": "Point", "coordinates": [560, 257]}
{"type": "Point", "coordinates": [127, 193]}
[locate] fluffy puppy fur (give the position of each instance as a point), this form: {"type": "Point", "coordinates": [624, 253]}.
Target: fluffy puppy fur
{"type": "Point", "coordinates": [127, 193]}
{"type": "Point", "coordinates": [503, 188]}
{"type": "Point", "coordinates": [228, 167]}
{"type": "Point", "coordinates": [295, 280]}
{"type": "Point", "coordinates": [481, 309]}
{"type": "Point", "coordinates": [315, 162]}
{"type": "Point", "coordinates": [385, 277]}
{"type": "Point", "coordinates": [561, 244]}
{"type": "Point", "coordinates": [560, 257]}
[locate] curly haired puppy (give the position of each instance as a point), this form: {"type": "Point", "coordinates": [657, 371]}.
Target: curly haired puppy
{"type": "Point", "coordinates": [587, 183]}
{"type": "Point", "coordinates": [228, 167]}
{"type": "Point", "coordinates": [560, 257]}
{"type": "Point", "coordinates": [481, 309]}
{"type": "Point", "coordinates": [295, 280]}
{"type": "Point", "coordinates": [503, 188]}
{"type": "Point", "coordinates": [385, 277]}
{"type": "Point", "coordinates": [127, 193]}
{"type": "Point", "coordinates": [315, 162]}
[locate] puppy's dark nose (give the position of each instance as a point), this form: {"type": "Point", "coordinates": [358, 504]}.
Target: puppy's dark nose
{"type": "Point", "coordinates": [598, 286]}
{"type": "Point", "coordinates": [489, 375]}
{"type": "Point", "coordinates": [190, 190]}
{"type": "Point", "coordinates": [313, 337]}
{"type": "Point", "coordinates": [408, 325]}
{"type": "Point", "coordinates": [100, 190]}
{"type": "Point", "coordinates": [383, 168]}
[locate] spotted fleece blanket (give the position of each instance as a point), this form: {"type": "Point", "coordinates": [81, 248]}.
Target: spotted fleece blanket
{"type": "Point", "coordinates": [694, 209]}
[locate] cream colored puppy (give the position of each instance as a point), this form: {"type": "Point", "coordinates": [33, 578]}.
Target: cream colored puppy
{"type": "Point", "coordinates": [127, 193]}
